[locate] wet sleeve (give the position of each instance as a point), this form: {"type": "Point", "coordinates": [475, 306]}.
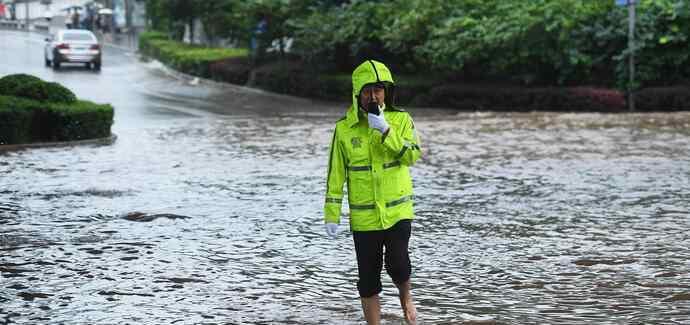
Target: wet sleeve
{"type": "Point", "coordinates": [404, 143]}
{"type": "Point", "coordinates": [335, 181]}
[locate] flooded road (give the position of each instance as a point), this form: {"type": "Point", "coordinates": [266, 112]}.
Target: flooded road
{"type": "Point", "coordinates": [521, 218]}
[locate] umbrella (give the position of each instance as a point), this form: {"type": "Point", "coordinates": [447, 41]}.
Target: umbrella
{"type": "Point", "coordinates": [105, 11]}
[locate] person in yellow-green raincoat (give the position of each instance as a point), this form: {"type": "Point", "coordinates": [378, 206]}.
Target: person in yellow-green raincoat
{"type": "Point", "coordinates": [372, 149]}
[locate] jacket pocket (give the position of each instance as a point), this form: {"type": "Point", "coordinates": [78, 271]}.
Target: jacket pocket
{"type": "Point", "coordinates": [360, 187]}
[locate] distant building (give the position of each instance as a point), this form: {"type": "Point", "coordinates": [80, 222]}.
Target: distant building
{"type": "Point", "coordinates": [38, 8]}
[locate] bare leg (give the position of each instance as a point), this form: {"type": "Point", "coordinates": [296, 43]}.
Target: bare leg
{"type": "Point", "coordinates": [372, 310]}
{"type": "Point", "coordinates": [407, 304]}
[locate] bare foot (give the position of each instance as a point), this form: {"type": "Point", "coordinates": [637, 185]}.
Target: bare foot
{"type": "Point", "coordinates": [409, 310]}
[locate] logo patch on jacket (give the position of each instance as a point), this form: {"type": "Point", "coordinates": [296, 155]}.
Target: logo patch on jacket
{"type": "Point", "coordinates": [356, 142]}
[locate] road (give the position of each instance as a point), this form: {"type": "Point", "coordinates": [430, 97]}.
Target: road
{"type": "Point", "coordinates": [521, 218]}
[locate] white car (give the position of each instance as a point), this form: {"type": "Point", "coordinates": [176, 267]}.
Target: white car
{"type": "Point", "coordinates": [73, 46]}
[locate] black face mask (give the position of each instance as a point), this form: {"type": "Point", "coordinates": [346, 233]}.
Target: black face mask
{"type": "Point", "coordinates": [373, 108]}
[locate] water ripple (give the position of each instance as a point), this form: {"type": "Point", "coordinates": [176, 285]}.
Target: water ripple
{"type": "Point", "coordinates": [521, 218]}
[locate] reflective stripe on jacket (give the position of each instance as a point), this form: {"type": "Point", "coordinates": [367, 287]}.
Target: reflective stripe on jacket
{"type": "Point", "coordinates": [375, 168]}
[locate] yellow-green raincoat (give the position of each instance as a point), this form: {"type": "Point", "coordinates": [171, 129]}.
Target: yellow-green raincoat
{"type": "Point", "coordinates": [375, 168]}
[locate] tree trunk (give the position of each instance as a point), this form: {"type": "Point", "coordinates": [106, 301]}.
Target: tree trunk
{"type": "Point", "coordinates": [191, 30]}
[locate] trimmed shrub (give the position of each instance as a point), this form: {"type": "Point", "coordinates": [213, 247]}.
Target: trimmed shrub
{"type": "Point", "coordinates": [336, 87]}
{"type": "Point", "coordinates": [81, 120]}
{"type": "Point", "coordinates": [15, 120]}
{"type": "Point", "coordinates": [294, 78]}
{"type": "Point", "coordinates": [25, 121]}
{"type": "Point", "coordinates": [408, 87]}
{"type": "Point", "coordinates": [145, 39]}
{"type": "Point", "coordinates": [52, 92]}
{"type": "Point", "coordinates": [600, 99]}
{"type": "Point", "coordinates": [663, 99]}
{"type": "Point", "coordinates": [232, 70]}
{"type": "Point", "coordinates": [9, 83]}
{"type": "Point", "coordinates": [522, 99]}
{"type": "Point", "coordinates": [474, 98]}
{"type": "Point", "coordinates": [32, 110]}
{"type": "Point", "coordinates": [190, 59]}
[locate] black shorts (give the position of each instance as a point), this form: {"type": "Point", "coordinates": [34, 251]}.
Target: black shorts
{"type": "Point", "coordinates": [369, 246]}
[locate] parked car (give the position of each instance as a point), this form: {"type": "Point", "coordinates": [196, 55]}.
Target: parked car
{"type": "Point", "coordinates": [73, 46]}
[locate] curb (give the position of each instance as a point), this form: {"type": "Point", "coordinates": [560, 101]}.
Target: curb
{"type": "Point", "coordinates": [187, 79]}
{"type": "Point", "coordinates": [121, 48]}
{"type": "Point", "coordinates": [100, 141]}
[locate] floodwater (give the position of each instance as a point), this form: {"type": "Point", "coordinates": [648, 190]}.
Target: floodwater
{"type": "Point", "coordinates": [210, 213]}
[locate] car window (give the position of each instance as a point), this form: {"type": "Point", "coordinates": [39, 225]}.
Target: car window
{"type": "Point", "coordinates": [77, 37]}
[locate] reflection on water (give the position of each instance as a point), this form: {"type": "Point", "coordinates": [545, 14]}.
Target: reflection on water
{"type": "Point", "coordinates": [522, 218]}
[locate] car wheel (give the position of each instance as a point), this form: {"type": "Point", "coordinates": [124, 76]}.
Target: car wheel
{"type": "Point", "coordinates": [87, 65]}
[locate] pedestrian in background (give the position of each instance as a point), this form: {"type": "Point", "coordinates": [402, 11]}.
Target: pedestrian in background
{"type": "Point", "coordinates": [372, 149]}
{"type": "Point", "coordinates": [76, 22]}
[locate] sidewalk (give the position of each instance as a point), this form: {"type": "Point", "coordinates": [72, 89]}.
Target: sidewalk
{"type": "Point", "coordinates": [128, 41]}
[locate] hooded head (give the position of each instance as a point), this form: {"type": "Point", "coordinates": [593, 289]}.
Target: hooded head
{"type": "Point", "coordinates": [372, 72]}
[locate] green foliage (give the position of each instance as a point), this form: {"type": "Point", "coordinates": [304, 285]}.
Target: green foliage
{"type": "Point", "coordinates": [663, 50]}
{"type": "Point", "coordinates": [148, 36]}
{"type": "Point", "coordinates": [522, 42]}
{"type": "Point", "coordinates": [232, 70]}
{"type": "Point", "coordinates": [292, 78]}
{"type": "Point", "coordinates": [31, 87]}
{"type": "Point", "coordinates": [296, 79]}
{"type": "Point", "coordinates": [15, 120]}
{"type": "Point", "coordinates": [25, 121]}
{"type": "Point", "coordinates": [663, 99]}
{"type": "Point", "coordinates": [530, 41]}
{"type": "Point", "coordinates": [32, 110]}
{"type": "Point", "coordinates": [191, 59]}
{"type": "Point", "coordinates": [9, 83]}
{"type": "Point", "coordinates": [81, 120]}
{"type": "Point", "coordinates": [471, 97]}
{"type": "Point", "coordinates": [157, 15]}
{"type": "Point", "coordinates": [224, 19]}
{"type": "Point", "coordinates": [146, 39]}
{"type": "Point", "coordinates": [233, 19]}
{"type": "Point", "coordinates": [346, 34]}
{"type": "Point", "coordinates": [51, 92]}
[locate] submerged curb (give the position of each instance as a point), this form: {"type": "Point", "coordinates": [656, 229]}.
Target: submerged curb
{"type": "Point", "coordinates": [99, 141]}
{"type": "Point", "coordinates": [189, 79]}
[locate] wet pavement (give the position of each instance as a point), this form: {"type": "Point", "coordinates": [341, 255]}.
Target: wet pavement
{"type": "Point", "coordinates": [207, 210]}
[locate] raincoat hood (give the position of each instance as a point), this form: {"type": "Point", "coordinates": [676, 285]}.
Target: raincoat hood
{"type": "Point", "coordinates": [369, 72]}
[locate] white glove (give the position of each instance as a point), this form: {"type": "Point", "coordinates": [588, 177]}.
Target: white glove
{"type": "Point", "coordinates": [331, 229]}
{"type": "Point", "coordinates": [378, 122]}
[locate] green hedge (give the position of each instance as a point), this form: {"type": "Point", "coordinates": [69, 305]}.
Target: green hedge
{"type": "Point", "coordinates": [294, 79]}
{"type": "Point", "coordinates": [30, 87]}
{"type": "Point", "coordinates": [15, 120]}
{"type": "Point", "coordinates": [52, 92]}
{"type": "Point", "coordinates": [10, 83]}
{"type": "Point", "coordinates": [32, 110]}
{"type": "Point", "coordinates": [145, 39]}
{"type": "Point", "coordinates": [232, 70]}
{"type": "Point", "coordinates": [191, 59]}
{"type": "Point", "coordinates": [663, 99]}
{"type": "Point", "coordinates": [298, 79]}
{"type": "Point", "coordinates": [26, 121]}
{"type": "Point", "coordinates": [488, 97]}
